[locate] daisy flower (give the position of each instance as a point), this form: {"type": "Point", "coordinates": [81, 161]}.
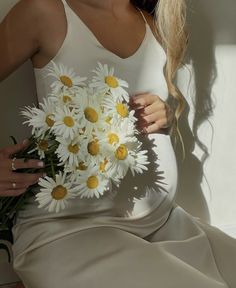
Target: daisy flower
{"type": "Point", "coordinates": [67, 122]}
{"type": "Point", "coordinates": [93, 150]}
{"type": "Point", "coordinates": [92, 184]}
{"type": "Point", "coordinates": [116, 135]}
{"type": "Point", "coordinates": [123, 158]}
{"type": "Point", "coordinates": [140, 162]}
{"type": "Point", "coordinates": [66, 98]}
{"type": "Point", "coordinates": [92, 117]}
{"type": "Point", "coordinates": [42, 119]}
{"type": "Point", "coordinates": [54, 194]}
{"type": "Point", "coordinates": [69, 151]}
{"type": "Point", "coordinates": [119, 111]}
{"type": "Point", "coordinates": [106, 82]}
{"type": "Point", "coordinates": [65, 78]}
{"type": "Point", "coordinates": [105, 168]}
{"type": "Point", "coordinates": [42, 146]}
{"type": "Point", "coordinates": [75, 171]}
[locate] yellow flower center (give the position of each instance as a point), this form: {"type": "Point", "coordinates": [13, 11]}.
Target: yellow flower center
{"type": "Point", "coordinates": [93, 148]}
{"type": "Point", "coordinates": [111, 81]}
{"type": "Point", "coordinates": [66, 98]}
{"type": "Point", "coordinates": [69, 121]}
{"type": "Point", "coordinates": [92, 182]}
{"type": "Point", "coordinates": [73, 148]}
{"type": "Point", "coordinates": [121, 152]}
{"type": "Point", "coordinates": [91, 114]}
{"type": "Point", "coordinates": [102, 165]}
{"type": "Point", "coordinates": [113, 138]}
{"type": "Point", "coordinates": [49, 121]}
{"type": "Point", "coordinates": [122, 110]}
{"type": "Point", "coordinates": [65, 80]}
{"type": "Point", "coordinates": [108, 119]}
{"type": "Point", "coordinates": [82, 166]}
{"type": "Point", "coordinates": [59, 192]}
{"type": "Point", "coordinates": [43, 145]}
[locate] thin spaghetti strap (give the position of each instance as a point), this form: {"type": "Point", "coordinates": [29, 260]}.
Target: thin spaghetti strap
{"type": "Point", "coordinates": [64, 2]}
{"type": "Point", "coordinates": [66, 8]}
{"type": "Point", "coordinates": [144, 18]}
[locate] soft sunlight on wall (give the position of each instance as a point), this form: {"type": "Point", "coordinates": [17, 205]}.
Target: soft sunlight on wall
{"type": "Point", "coordinates": [217, 136]}
{"type": "Point", "coordinates": [207, 187]}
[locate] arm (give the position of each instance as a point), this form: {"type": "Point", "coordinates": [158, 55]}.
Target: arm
{"type": "Point", "coordinates": [19, 41]}
{"type": "Point", "coordinates": [19, 36]}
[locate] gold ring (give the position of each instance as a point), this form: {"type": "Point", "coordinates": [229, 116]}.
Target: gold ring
{"type": "Point", "coordinates": [13, 164]}
{"type": "Point", "coordinates": [14, 185]}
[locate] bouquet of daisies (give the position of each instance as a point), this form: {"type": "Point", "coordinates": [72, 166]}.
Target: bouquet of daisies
{"type": "Point", "coordinates": [85, 133]}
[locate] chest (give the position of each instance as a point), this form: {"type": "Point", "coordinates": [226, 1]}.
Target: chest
{"type": "Point", "coordinates": [119, 32]}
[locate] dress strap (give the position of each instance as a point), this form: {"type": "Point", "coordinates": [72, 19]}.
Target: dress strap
{"type": "Point", "coordinates": [65, 4]}
{"type": "Point", "coordinates": [67, 10]}
{"type": "Point", "coordinates": [141, 12]}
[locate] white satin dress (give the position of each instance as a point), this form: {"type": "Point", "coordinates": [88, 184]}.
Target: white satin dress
{"type": "Point", "coordinates": [133, 237]}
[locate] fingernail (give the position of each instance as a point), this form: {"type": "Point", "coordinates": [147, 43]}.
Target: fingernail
{"type": "Point", "coordinates": [25, 141]}
{"type": "Point", "coordinates": [137, 106]}
{"type": "Point", "coordinates": [141, 114]}
{"type": "Point", "coordinates": [40, 164]}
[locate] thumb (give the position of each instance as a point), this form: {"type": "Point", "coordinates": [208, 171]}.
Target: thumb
{"type": "Point", "coordinates": [10, 150]}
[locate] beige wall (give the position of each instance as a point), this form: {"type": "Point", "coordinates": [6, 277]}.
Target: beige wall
{"type": "Point", "coordinates": [207, 188]}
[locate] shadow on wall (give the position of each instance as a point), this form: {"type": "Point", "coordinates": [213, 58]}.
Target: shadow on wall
{"type": "Point", "coordinates": [210, 23]}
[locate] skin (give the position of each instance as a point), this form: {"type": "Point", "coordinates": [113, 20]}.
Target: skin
{"type": "Point", "coordinates": [30, 32]}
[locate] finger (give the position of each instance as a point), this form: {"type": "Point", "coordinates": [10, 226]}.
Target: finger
{"type": "Point", "coordinates": [11, 192]}
{"type": "Point", "coordinates": [10, 150]}
{"type": "Point", "coordinates": [23, 177]}
{"type": "Point", "coordinates": [21, 164]}
{"type": "Point", "coordinates": [160, 115]}
{"type": "Point", "coordinates": [154, 127]}
{"type": "Point", "coordinates": [166, 117]}
{"type": "Point", "coordinates": [143, 100]}
{"type": "Point", "coordinates": [154, 107]}
{"type": "Point", "coordinates": [9, 185]}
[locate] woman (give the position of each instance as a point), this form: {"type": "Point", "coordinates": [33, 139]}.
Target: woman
{"type": "Point", "coordinates": [134, 236]}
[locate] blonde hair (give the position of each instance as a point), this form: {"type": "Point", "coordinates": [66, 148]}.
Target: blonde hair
{"type": "Point", "coordinates": [170, 23]}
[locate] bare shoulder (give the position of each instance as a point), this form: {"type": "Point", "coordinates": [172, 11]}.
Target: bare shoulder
{"type": "Point", "coordinates": [29, 30]}
{"type": "Point", "coordinates": [37, 6]}
{"type": "Point", "coordinates": [25, 8]}
{"type": "Point", "coordinates": [35, 14]}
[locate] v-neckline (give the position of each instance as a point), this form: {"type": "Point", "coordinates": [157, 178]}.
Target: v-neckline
{"type": "Point", "coordinates": [94, 37]}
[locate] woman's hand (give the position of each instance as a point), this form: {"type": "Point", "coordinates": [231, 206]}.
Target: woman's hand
{"type": "Point", "coordinates": [13, 183]}
{"type": "Point", "coordinates": [153, 114]}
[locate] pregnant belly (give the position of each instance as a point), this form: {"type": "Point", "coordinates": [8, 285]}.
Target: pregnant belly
{"type": "Point", "coordinates": [138, 196]}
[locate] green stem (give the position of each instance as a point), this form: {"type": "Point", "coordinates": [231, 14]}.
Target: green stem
{"type": "Point", "coordinates": [14, 208]}
{"type": "Point", "coordinates": [7, 204]}
{"type": "Point", "coordinates": [52, 169]}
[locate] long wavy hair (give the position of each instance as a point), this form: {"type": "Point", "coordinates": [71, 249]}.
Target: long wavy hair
{"type": "Point", "coordinates": [170, 23]}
